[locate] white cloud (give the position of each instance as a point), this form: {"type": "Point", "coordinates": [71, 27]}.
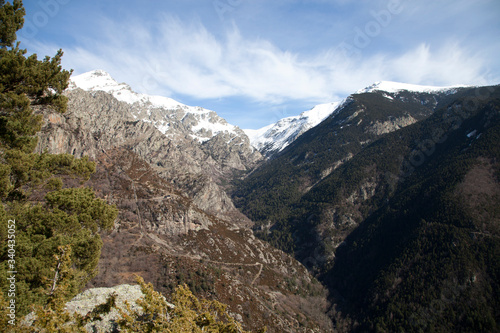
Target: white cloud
{"type": "Point", "coordinates": [187, 59]}
{"type": "Point", "coordinates": [449, 64]}
{"type": "Point", "coordinates": [175, 57]}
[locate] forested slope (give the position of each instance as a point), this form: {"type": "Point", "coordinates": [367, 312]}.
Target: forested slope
{"type": "Point", "coordinates": [404, 232]}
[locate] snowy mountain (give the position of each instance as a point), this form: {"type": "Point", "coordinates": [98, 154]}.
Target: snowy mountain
{"type": "Point", "coordinates": [173, 118]}
{"type": "Point", "coordinates": [166, 114]}
{"type": "Point", "coordinates": [274, 138]}
{"type": "Point", "coordinates": [184, 126]}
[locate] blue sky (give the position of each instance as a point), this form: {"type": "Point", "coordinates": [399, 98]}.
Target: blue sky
{"type": "Point", "coordinates": [256, 61]}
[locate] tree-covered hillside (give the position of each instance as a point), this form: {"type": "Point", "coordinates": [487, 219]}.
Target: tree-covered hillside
{"type": "Point", "coordinates": [268, 193]}
{"type": "Point", "coordinates": [426, 259]}
{"type": "Point", "coordinates": [405, 233]}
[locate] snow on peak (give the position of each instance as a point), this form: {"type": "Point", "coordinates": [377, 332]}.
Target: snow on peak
{"type": "Point", "coordinates": [100, 80]}
{"type": "Point", "coordinates": [394, 87]}
{"type": "Point", "coordinates": [95, 80]}
{"type": "Point", "coordinates": [163, 112]}
{"type": "Point", "coordinates": [276, 137]}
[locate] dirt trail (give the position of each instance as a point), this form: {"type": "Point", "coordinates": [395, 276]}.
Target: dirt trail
{"type": "Point", "coordinates": [164, 244]}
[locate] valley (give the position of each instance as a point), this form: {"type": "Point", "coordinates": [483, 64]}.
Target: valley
{"type": "Point", "coordinates": [322, 222]}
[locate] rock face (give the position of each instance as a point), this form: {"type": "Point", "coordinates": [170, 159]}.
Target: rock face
{"type": "Point", "coordinates": [225, 143]}
{"type": "Point", "coordinates": [97, 122]}
{"type": "Point", "coordinates": [176, 223]}
{"type": "Point", "coordinates": [85, 302]}
{"type": "Point", "coordinates": [391, 125]}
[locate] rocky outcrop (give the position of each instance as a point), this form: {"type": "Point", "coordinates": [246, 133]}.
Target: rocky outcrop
{"type": "Point", "coordinates": [390, 125]}
{"type": "Point", "coordinates": [85, 302]}
{"type": "Point", "coordinates": [97, 122]}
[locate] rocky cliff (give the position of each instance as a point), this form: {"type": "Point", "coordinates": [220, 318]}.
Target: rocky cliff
{"type": "Point", "coordinates": [176, 224]}
{"type": "Point", "coordinates": [97, 122]}
{"type": "Point", "coordinates": [225, 143]}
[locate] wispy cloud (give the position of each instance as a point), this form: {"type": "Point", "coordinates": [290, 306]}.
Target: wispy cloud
{"type": "Point", "coordinates": [282, 54]}
{"type": "Point", "coordinates": [177, 58]}
{"type": "Point", "coordinates": [448, 64]}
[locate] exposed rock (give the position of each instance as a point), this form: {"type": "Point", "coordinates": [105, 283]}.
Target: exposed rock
{"type": "Point", "coordinates": [85, 302]}
{"type": "Point", "coordinates": [391, 125]}
{"type": "Point", "coordinates": [96, 122]}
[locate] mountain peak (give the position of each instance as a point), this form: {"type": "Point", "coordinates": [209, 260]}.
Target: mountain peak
{"type": "Point", "coordinates": [163, 112]}
{"type": "Point", "coordinates": [96, 80]}
{"type": "Point", "coordinates": [100, 80]}
{"type": "Point", "coordinates": [276, 137]}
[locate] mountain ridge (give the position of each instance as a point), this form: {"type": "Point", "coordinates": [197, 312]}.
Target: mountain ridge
{"type": "Point", "coordinates": [203, 124]}
{"type": "Point", "coordinates": [274, 138]}
{"type": "Point", "coordinates": [394, 87]}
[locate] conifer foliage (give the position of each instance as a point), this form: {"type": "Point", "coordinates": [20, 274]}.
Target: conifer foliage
{"type": "Point", "coordinates": [56, 226]}
{"type": "Point", "coordinates": [186, 314]}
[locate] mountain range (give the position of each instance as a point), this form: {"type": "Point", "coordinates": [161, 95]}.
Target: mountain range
{"type": "Point", "coordinates": [382, 202]}
{"type": "Point", "coordinates": [275, 137]}
{"type": "Point", "coordinates": [378, 212]}
{"type": "Point", "coordinates": [173, 118]}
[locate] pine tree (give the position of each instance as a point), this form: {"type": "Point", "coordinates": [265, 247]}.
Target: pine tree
{"type": "Point", "coordinates": [65, 218]}
{"type": "Point", "coordinates": [11, 20]}
{"type": "Point", "coordinates": [24, 82]}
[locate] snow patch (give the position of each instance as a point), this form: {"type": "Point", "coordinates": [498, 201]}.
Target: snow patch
{"type": "Point", "coordinates": [278, 136]}
{"type": "Point", "coordinates": [394, 87]}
